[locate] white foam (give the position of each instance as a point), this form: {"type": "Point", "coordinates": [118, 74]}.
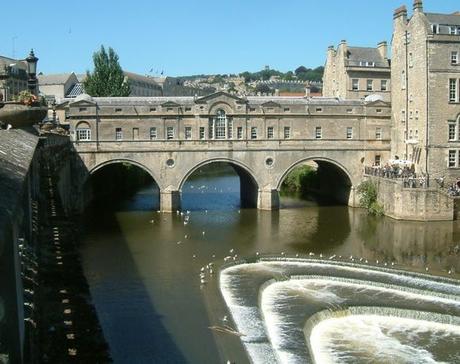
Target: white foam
{"type": "Point", "coordinates": [378, 338]}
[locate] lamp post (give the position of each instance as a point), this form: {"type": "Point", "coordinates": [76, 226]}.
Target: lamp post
{"type": "Point", "coordinates": [32, 72]}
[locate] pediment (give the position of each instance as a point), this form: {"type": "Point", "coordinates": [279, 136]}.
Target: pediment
{"type": "Point", "coordinates": [378, 103]}
{"type": "Point", "coordinates": [271, 104]}
{"type": "Point", "coordinates": [170, 104]}
{"type": "Point", "coordinates": [219, 95]}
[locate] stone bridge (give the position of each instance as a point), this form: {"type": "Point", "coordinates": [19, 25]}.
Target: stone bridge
{"type": "Point", "coordinates": [262, 138]}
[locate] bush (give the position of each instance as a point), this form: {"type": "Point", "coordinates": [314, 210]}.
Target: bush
{"type": "Point", "coordinates": [367, 191]}
{"type": "Point", "coordinates": [300, 179]}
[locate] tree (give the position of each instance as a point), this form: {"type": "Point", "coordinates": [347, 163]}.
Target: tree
{"type": "Point", "coordinates": [108, 78]}
{"type": "Point", "coordinates": [301, 69]}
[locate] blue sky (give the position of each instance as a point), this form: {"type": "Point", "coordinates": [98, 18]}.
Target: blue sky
{"type": "Point", "coordinates": [183, 37]}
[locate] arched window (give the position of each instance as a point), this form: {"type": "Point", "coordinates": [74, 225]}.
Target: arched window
{"type": "Point", "coordinates": [220, 126]}
{"type": "Point", "coordinates": [220, 123]}
{"type": "Point", "coordinates": [83, 132]}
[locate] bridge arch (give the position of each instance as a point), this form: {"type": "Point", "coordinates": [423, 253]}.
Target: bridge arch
{"type": "Point", "coordinates": [335, 178]}
{"type": "Point", "coordinates": [249, 183]}
{"type": "Point", "coordinates": [99, 166]}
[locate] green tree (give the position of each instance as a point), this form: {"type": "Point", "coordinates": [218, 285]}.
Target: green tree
{"type": "Point", "coordinates": [108, 78]}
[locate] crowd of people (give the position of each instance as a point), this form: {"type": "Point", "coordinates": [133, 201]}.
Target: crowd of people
{"type": "Point", "coordinates": [405, 173]}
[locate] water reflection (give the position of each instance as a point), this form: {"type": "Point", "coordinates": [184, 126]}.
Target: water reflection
{"type": "Point", "coordinates": [143, 266]}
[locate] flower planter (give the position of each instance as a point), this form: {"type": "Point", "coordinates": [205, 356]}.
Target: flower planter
{"type": "Point", "coordinates": [19, 115]}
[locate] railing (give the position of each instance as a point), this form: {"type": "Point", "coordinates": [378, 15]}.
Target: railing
{"type": "Point", "coordinates": [404, 176]}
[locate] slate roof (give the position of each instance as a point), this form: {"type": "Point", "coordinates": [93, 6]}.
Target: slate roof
{"type": "Point", "coordinates": [17, 148]}
{"type": "Point", "coordinates": [366, 54]}
{"type": "Point", "coordinates": [444, 19]}
{"type": "Point", "coordinates": [56, 79]}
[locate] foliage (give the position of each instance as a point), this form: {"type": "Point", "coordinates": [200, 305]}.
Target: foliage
{"type": "Point", "coordinates": [301, 73]}
{"type": "Point", "coordinates": [300, 179]}
{"type": "Point", "coordinates": [263, 88]}
{"type": "Point", "coordinates": [27, 98]}
{"type": "Point", "coordinates": [107, 79]}
{"type": "Point", "coordinates": [367, 191]}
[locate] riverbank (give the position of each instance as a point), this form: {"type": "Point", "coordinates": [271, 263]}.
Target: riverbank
{"type": "Point", "coordinates": [67, 323]}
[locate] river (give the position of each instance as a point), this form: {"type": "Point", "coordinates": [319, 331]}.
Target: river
{"type": "Point", "coordinates": [143, 266]}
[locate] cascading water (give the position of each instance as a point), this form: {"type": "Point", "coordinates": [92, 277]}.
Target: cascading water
{"type": "Point", "coordinates": [302, 310]}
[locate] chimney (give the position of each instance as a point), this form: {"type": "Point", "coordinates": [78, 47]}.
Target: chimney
{"type": "Point", "coordinates": [418, 6]}
{"type": "Point", "coordinates": [382, 47]}
{"type": "Point", "coordinates": [343, 46]}
{"type": "Point", "coordinates": [400, 12]}
{"type": "Point", "coordinates": [307, 91]}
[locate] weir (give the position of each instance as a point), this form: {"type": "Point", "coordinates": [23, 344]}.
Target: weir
{"type": "Point", "coordinates": [287, 295]}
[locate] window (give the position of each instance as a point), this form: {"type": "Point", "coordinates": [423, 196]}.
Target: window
{"type": "Point", "coordinates": [454, 57]}
{"type": "Point", "coordinates": [411, 60]}
{"type": "Point", "coordinates": [319, 109]}
{"type": "Point", "coordinates": [370, 85]}
{"type": "Point", "coordinates": [349, 132]}
{"type": "Point", "coordinates": [403, 80]}
{"type": "Point", "coordinates": [355, 84]}
{"type": "Point", "coordinates": [135, 133]}
{"type": "Point", "coordinates": [452, 158]}
{"type": "Point", "coordinates": [220, 121]}
{"type": "Point", "coordinates": [153, 133]}
{"type": "Point", "coordinates": [287, 132]}
{"type": "Point", "coordinates": [403, 116]}
{"type": "Point", "coordinates": [82, 109]}
{"type": "Point", "coordinates": [384, 85]}
{"type": "Point", "coordinates": [118, 134]}
{"type": "Point", "coordinates": [229, 128]}
{"type": "Point", "coordinates": [270, 133]}
{"type": "Point", "coordinates": [378, 111]}
{"type": "Point", "coordinates": [118, 109]}
{"type": "Point", "coordinates": [435, 28]}
{"type": "Point", "coordinates": [454, 30]}
{"type": "Point", "coordinates": [83, 134]}
{"type": "Point", "coordinates": [318, 132]}
{"type": "Point", "coordinates": [253, 132]}
{"type": "Point", "coordinates": [411, 114]}
{"type": "Point", "coordinates": [349, 111]}
{"type": "Point", "coordinates": [378, 133]}
{"type": "Point", "coordinates": [188, 109]}
{"type": "Point", "coordinates": [188, 132]}
{"type": "Point", "coordinates": [416, 114]}
{"type": "Point", "coordinates": [153, 109]}
{"type": "Point", "coordinates": [202, 132]}
{"type": "Point", "coordinates": [239, 132]}
{"type": "Point", "coordinates": [170, 132]}
{"type": "Point", "coordinates": [453, 90]}
{"type": "Point", "coordinates": [286, 109]}
{"type": "Point", "coordinates": [377, 160]}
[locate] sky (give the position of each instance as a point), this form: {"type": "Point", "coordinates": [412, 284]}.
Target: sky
{"type": "Point", "coordinates": [185, 37]}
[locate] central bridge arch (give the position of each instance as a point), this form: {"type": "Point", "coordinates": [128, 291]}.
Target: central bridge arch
{"type": "Point", "coordinates": [249, 185]}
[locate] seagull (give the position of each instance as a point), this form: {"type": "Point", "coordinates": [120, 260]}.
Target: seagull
{"type": "Point", "coordinates": [231, 250]}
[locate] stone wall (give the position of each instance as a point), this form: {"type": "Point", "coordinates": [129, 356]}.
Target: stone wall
{"type": "Point", "coordinates": [430, 204]}
{"type": "Point", "coordinates": [18, 192]}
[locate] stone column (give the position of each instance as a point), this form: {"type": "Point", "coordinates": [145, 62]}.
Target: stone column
{"type": "Point", "coordinates": [353, 198]}
{"type": "Point", "coordinates": [169, 200]}
{"type": "Point", "coordinates": [268, 200]}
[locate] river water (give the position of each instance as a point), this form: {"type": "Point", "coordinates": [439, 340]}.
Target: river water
{"type": "Point", "coordinates": [143, 266]}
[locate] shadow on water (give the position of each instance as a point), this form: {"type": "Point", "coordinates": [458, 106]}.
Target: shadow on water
{"type": "Point", "coordinates": [131, 324]}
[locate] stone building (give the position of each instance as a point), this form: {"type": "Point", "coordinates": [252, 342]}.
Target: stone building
{"type": "Point", "coordinates": [425, 78]}
{"type": "Point", "coordinates": [57, 86]}
{"type": "Point", "coordinates": [357, 72]}
{"type": "Point", "coordinates": [13, 77]}
{"type": "Point", "coordinates": [70, 85]}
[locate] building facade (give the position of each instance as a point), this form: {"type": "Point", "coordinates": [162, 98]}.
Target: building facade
{"type": "Point", "coordinates": [13, 78]}
{"type": "Point", "coordinates": [426, 90]}
{"type": "Point", "coordinates": [357, 72]}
